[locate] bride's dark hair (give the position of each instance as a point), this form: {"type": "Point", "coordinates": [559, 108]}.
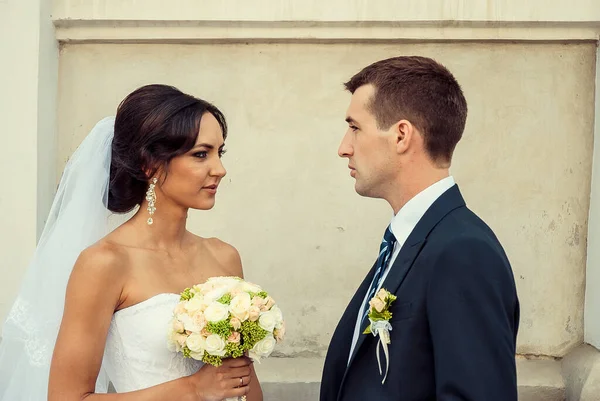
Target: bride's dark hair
{"type": "Point", "coordinates": [154, 124]}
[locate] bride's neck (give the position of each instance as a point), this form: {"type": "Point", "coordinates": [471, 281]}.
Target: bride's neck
{"type": "Point", "coordinates": [168, 228]}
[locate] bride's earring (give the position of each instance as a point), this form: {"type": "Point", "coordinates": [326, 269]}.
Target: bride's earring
{"type": "Point", "coordinates": [151, 198]}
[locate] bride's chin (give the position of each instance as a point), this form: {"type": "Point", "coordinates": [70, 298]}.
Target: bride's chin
{"type": "Point", "coordinates": [204, 205]}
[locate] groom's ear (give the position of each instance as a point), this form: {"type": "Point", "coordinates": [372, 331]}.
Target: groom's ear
{"type": "Point", "coordinates": [404, 133]}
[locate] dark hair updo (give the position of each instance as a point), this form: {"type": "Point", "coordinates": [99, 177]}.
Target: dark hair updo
{"type": "Point", "coordinates": [153, 125]}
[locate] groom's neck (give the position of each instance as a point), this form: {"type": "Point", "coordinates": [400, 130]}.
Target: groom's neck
{"type": "Point", "coordinates": [413, 181]}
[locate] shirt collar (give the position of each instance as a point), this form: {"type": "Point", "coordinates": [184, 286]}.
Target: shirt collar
{"type": "Point", "coordinates": [409, 215]}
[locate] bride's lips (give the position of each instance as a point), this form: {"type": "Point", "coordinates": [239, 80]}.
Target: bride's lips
{"type": "Point", "coordinates": [211, 189]}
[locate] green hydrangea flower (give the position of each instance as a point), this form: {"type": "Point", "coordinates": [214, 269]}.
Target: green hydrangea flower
{"type": "Point", "coordinates": [186, 295]}
{"type": "Point", "coordinates": [234, 350]}
{"type": "Point", "coordinates": [251, 334]}
{"type": "Point", "coordinates": [222, 328]}
{"type": "Point", "coordinates": [212, 359]}
{"type": "Point", "coordinates": [225, 299]}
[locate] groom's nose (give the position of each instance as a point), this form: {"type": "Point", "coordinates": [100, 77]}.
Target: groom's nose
{"type": "Point", "coordinates": [345, 149]}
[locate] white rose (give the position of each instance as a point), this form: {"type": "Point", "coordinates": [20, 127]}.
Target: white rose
{"type": "Point", "coordinates": [216, 312]}
{"type": "Point", "coordinates": [215, 294]}
{"type": "Point", "coordinates": [204, 288]}
{"type": "Point", "coordinates": [177, 326]}
{"type": "Point", "coordinates": [224, 283]}
{"type": "Point", "coordinates": [175, 341]}
{"type": "Point", "coordinates": [195, 304]}
{"type": "Point", "coordinates": [278, 316]}
{"type": "Point", "coordinates": [215, 345]}
{"type": "Point", "coordinates": [263, 348]}
{"type": "Point", "coordinates": [249, 287]}
{"type": "Point", "coordinates": [180, 308]}
{"type": "Point", "coordinates": [268, 320]}
{"type": "Point", "coordinates": [196, 343]}
{"type": "Point", "coordinates": [188, 323]}
{"type": "Point", "coordinates": [229, 282]}
{"type": "Point", "coordinates": [240, 306]}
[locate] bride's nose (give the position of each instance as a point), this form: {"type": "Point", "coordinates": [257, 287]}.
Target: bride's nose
{"type": "Point", "coordinates": [218, 169]}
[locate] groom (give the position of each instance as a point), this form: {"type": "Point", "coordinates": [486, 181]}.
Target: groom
{"type": "Point", "coordinates": [454, 322]}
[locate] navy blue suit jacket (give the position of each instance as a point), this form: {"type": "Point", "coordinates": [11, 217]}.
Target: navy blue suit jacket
{"type": "Point", "coordinates": [454, 324]}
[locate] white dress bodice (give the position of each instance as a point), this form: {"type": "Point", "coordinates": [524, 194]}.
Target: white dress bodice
{"type": "Point", "coordinates": [136, 354]}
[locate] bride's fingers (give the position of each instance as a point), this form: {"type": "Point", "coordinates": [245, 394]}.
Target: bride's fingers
{"type": "Point", "coordinates": [236, 362]}
{"type": "Point", "coordinates": [238, 382]}
{"type": "Point", "coordinates": [237, 392]}
{"type": "Point", "coordinates": [236, 372]}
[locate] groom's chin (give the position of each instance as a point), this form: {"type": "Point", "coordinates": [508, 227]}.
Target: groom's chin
{"type": "Point", "coordinates": [361, 190]}
{"type": "Point", "coordinates": [366, 191]}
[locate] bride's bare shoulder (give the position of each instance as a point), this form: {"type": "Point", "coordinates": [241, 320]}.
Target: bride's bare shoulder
{"type": "Point", "coordinates": [226, 254]}
{"type": "Point", "coordinates": [103, 259]}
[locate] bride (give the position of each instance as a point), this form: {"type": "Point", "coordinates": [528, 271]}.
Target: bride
{"type": "Point", "coordinates": [95, 302]}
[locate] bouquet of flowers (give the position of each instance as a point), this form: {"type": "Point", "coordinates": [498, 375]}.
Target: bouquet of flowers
{"type": "Point", "coordinates": [226, 317]}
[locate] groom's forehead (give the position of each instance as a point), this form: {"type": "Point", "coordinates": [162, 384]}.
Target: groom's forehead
{"type": "Point", "coordinates": [360, 104]}
{"type": "Point", "coordinates": [362, 95]}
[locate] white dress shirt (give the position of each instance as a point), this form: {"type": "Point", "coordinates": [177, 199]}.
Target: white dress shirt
{"type": "Point", "coordinates": [402, 226]}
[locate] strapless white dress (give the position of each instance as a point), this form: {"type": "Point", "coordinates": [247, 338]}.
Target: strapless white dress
{"type": "Point", "coordinates": [136, 354]}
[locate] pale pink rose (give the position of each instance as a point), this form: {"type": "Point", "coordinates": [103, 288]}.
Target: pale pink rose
{"type": "Point", "coordinates": [240, 306]}
{"type": "Point", "coordinates": [235, 323]}
{"type": "Point", "coordinates": [258, 301]}
{"type": "Point", "coordinates": [234, 337]}
{"type": "Point", "coordinates": [377, 304]}
{"type": "Point", "coordinates": [199, 319]}
{"type": "Point", "coordinates": [178, 326]}
{"type": "Point", "coordinates": [254, 314]}
{"type": "Point", "coordinates": [269, 302]}
{"type": "Point", "coordinates": [382, 294]}
{"type": "Point", "coordinates": [180, 308]}
{"type": "Point", "coordinates": [181, 339]}
{"type": "Point", "coordinates": [279, 333]}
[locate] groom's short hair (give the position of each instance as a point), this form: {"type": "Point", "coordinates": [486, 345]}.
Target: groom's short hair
{"type": "Point", "coordinates": [421, 91]}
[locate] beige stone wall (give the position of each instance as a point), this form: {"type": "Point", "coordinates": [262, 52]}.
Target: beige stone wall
{"type": "Point", "coordinates": [28, 70]}
{"type": "Point", "coordinates": [332, 10]}
{"type": "Point", "coordinates": [288, 203]}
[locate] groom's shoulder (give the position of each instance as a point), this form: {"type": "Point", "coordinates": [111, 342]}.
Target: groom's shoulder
{"type": "Point", "coordinates": [463, 227]}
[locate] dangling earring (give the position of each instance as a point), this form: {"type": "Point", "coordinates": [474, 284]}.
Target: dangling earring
{"type": "Point", "coordinates": [151, 198]}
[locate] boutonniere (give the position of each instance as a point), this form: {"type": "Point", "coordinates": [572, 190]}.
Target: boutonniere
{"type": "Point", "coordinates": [379, 318]}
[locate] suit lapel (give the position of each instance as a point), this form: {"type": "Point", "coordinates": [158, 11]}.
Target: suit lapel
{"type": "Point", "coordinates": [341, 341]}
{"type": "Point", "coordinates": [395, 277]}
{"type": "Point", "coordinates": [447, 202]}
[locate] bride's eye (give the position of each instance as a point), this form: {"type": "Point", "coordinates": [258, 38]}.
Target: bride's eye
{"type": "Point", "coordinates": [201, 155]}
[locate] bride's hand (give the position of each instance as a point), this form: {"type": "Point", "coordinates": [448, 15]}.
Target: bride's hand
{"type": "Point", "coordinates": [231, 379]}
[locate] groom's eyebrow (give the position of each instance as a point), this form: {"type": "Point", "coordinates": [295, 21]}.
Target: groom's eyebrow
{"type": "Point", "coordinates": [350, 120]}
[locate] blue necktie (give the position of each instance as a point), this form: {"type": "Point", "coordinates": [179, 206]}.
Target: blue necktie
{"type": "Point", "coordinates": [385, 253]}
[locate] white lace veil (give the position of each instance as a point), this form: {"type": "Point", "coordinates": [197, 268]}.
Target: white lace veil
{"type": "Point", "coordinates": [78, 218]}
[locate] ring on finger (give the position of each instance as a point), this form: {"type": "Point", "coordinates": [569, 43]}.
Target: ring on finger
{"type": "Point", "coordinates": [241, 382]}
